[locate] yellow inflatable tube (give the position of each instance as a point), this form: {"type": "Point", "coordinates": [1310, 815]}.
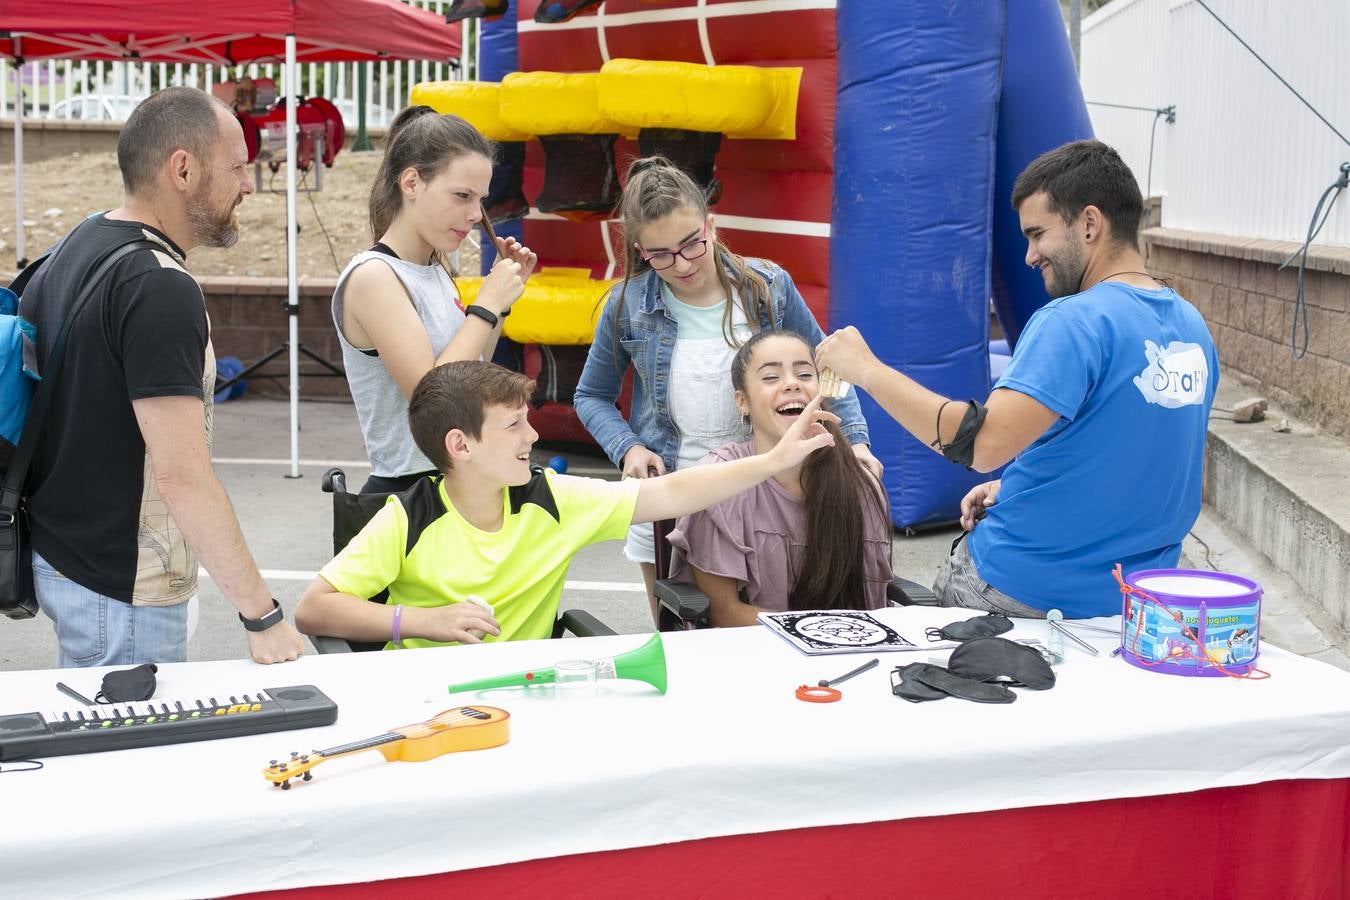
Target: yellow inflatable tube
{"type": "Point", "coordinates": [478, 102]}
{"type": "Point", "coordinates": [555, 103]}
{"type": "Point", "coordinates": [560, 306]}
{"type": "Point", "coordinates": [738, 101]}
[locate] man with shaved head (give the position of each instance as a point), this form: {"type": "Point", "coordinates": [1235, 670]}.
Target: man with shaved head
{"type": "Point", "coordinates": [122, 499]}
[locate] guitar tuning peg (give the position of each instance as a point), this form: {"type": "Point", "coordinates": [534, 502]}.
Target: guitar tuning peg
{"type": "Point", "coordinates": [285, 785]}
{"type": "Point", "coordinates": [271, 762]}
{"type": "Point", "coordinates": [307, 776]}
{"type": "Point", "coordinates": [294, 754]}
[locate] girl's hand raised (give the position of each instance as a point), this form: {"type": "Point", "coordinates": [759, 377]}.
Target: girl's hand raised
{"type": "Point", "coordinates": [804, 436]}
{"type": "Point", "coordinates": [502, 286]}
{"type": "Point", "coordinates": [510, 248]}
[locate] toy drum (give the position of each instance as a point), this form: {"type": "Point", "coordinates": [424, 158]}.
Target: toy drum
{"type": "Point", "coordinates": [1222, 613]}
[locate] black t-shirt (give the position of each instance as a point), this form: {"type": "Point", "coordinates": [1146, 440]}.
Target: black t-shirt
{"type": "Point", "coordinates": [96, 514]}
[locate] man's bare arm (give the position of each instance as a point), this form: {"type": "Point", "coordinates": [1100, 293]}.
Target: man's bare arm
{"type": "Point", "coordinates": [175, 437]}
{"type": "Point", "coordinates": [1012, 422]}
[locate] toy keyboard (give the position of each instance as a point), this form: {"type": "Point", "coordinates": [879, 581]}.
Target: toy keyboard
{"type": "Point", "coordinates": [123, 726]}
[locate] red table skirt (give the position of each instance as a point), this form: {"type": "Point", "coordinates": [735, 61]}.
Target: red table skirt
{"type": "Point", "coordinates": [1284, 840]}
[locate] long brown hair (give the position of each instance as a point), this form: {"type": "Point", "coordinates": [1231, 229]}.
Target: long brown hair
{"type": "Point", "coordinates": [421, 139]}
{"type": "Point", "coordinates": [832, 572]}
{"type": "Point", "coordinates": [654, 189]}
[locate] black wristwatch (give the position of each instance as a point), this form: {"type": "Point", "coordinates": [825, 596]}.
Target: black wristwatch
{"type": "Point", "coordinates": [486, 315]}
{"type": "Point", "coordinates": [262, 623]}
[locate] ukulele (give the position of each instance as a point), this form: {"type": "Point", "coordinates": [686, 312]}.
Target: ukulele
{"type": "Point", "coordinates": [463, 728]}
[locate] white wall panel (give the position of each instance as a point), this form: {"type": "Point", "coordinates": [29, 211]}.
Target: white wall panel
{"type": "Point", "coordinates": [1125, 62]}
{"type": "Point", "coordinates": [1245, 157]}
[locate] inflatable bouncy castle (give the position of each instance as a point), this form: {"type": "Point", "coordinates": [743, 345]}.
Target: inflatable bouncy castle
{"type": "Point", "coordinates": [869, 148]}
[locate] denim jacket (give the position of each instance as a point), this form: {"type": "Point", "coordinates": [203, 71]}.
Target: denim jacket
{"type": "Point", "coordinates": [646, 333]}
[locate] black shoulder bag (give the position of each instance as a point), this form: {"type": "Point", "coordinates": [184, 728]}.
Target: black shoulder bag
{"type": "Point", "coordinates": [18, 600]}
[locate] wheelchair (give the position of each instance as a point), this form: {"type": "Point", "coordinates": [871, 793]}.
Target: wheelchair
{"type": "Point", "coordinates": [683, 607]}
{"type": "Point", "coordinates": [351, 512]}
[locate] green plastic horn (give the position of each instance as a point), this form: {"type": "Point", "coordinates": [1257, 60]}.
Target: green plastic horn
{"type": "Point", "coordinates": [646, 663]}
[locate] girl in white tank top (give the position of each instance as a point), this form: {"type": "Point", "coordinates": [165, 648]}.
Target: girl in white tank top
{"type": "Point", "coordinates": [396, 310]}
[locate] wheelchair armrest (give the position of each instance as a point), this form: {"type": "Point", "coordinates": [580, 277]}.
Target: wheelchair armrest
{"type": "Point", "coordinates": [903, 592]}
{"type": "Point", "coordinates": [583, 624]}
{"type": "Point", "coordinates": [683, 601]}
{"type": "Point", "coordinates": [325, 644]}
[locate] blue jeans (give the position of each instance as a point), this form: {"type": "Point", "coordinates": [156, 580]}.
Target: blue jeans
{"type": "Point", "coordinates": [94, 630]}
{"type": "Point", "coordinates": [959, 584]}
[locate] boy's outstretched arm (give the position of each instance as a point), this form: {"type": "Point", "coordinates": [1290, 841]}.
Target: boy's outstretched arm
{"type": "Point", "coordinates": [324, 610]}
{"type": "Point", "coordinates": [700, 487]}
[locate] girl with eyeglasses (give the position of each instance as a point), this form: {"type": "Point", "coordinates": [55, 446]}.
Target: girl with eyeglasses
{"type": "Point", "coordinates": [686, 303]}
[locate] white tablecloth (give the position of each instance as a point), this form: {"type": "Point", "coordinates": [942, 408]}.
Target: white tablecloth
{"type": "Point", "coordinates": [728, 750]}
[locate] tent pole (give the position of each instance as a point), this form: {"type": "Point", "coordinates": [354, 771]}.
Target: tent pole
{"type": "Point", "coordinates": [20, 256]}
{"type": "Point", "coordinates": [465, 27]}
{"type": "Point", "coordinates": [292, 287]}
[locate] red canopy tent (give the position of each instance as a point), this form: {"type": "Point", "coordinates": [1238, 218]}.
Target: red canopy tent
{"type": "Point", "coordinates": [224, 34]}
{"type": "Point", "coordinates": [243, 31]}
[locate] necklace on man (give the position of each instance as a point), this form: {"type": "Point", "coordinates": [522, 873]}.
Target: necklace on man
{"type": "Point", "coordinates": [1145, 274]}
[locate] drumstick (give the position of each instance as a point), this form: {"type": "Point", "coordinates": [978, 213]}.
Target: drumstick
{"type": "Point", "coordinates": [71, 692]}
{"type": "Point", "coordinates": [847, 675]}
{"type": "Point", "coordinates": [1073, 637]}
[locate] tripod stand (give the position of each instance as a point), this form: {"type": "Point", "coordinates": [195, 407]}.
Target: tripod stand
{"type": "Point", "coordinates": [293, 311]}
{"type": "Point", "coordinates": [293, 348]}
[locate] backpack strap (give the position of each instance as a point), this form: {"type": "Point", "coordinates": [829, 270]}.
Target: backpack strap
{"type": "Point", "coordinates": [42, 399]}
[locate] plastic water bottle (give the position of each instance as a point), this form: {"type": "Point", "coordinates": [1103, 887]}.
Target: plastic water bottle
{"type": "Point", "coordinates": [1055, 641]}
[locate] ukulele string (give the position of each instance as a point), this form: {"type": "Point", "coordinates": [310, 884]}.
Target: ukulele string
{"type": "Point", "coordinates": [465, 713]}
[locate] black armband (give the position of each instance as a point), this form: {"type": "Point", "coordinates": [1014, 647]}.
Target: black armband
{"type": "Point", "coordinates": [961, 450]}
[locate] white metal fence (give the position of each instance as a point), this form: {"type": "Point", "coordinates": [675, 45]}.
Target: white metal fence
{"type": "Point", "coordinates": [1245, 157]}
{"type": "Point", "coordinates": [52, 89]}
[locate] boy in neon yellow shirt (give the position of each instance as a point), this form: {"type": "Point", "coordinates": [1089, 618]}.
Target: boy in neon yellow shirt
{"type": "Point", "coordinates": [493, 527]}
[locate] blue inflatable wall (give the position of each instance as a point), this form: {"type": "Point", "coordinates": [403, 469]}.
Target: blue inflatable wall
{"type": "Point", "coordinates": [1040, 107]}
{"type": "Point", "coordinates": [915, 121]}
{"type": "Point", "coordinates": [940, 106]}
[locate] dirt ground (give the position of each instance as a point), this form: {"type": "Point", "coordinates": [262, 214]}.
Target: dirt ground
{"type": "Point", "coordinates": [59, 192]}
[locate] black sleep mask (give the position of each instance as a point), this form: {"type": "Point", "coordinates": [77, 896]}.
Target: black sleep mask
{"type": "Point", "coordinates": [128, 685]}
{"type": "Point", "coordinates": [918, 682]}
{"type": "Point", "coordinates": [906, 684]}
{"type": "Point", "coordinates": [999, 659]}
{"type": "Point", "coordinates": [974, 627]}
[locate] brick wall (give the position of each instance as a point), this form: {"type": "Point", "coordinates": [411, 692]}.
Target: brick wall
{"type": "Point", "coordinates": [46, 138]}
{"type": "Point", "coordinates": [249, 320]}
{"type": "Point", "coordinates": [1249, 304]}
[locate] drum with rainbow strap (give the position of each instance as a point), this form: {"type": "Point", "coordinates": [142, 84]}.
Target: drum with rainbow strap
{"type": "Point", "coordinates": [1191, 622]}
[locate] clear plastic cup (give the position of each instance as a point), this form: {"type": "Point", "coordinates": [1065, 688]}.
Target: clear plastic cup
{"type": "Point", "coordinates": [574, 679]}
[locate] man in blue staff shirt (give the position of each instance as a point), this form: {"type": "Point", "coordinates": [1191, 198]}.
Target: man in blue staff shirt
{"type": "Point", "coordinates": [1101, 416]}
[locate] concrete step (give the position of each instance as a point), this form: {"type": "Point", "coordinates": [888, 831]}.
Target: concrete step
{"type": "Point", "coordinates": [1286, 622]}
{"type": "Point", "coordinates": [1277, 509]}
